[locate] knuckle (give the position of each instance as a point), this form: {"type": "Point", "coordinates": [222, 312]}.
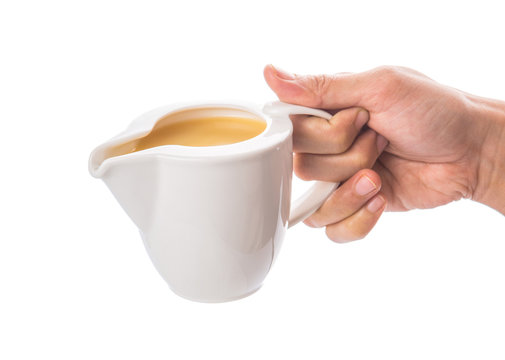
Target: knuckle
{"type": "Point", "coordinates": [340, 139]}
{"type": "Point", "coordinates": [319, 85]}
{"type": "Point", "coordinates": [342, 130]}
{"type": "Point", "coordinates": [361, 160]}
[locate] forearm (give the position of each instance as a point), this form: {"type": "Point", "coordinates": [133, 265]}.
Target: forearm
{"type": "Point", "coordinates": [490, 189]}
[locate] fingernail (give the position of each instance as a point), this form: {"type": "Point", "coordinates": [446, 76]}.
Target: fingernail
{"type": "Point", "coordinates": [361, 119]}
{"type": "Point", "coordinates": [376, 204]}
{"type": "Point", "coordinates": [382, 142]}
{"type": "Point", "coordinates": [283, 74]}
{"type": "Point", "coordinates": [365, 186]}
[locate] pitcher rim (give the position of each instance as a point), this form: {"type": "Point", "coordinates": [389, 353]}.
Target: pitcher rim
{"type": "Point", "coordinates": [275, 133]}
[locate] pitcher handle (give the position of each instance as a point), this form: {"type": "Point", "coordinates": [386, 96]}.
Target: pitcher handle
{"type": "Point", "coordinates": [314, 197]}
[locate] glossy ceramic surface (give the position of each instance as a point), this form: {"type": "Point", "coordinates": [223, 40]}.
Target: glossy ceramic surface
{"type": "Point", "coordinates": [212, 218]}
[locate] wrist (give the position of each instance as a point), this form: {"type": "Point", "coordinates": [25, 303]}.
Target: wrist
{"type": "Point", "coordinates": [490, 186]}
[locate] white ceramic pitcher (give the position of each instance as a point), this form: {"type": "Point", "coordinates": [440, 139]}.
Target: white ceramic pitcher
{"type": "Point", "coordinates": [212, 218]}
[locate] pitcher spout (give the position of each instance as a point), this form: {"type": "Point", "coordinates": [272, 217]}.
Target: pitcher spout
{"type": "Point", "coordinates": [131, 177]}
{"type": "Point", "coordinates": [138, 176]}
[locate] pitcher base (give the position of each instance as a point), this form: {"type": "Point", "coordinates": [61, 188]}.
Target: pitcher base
{"type": "Point", "coordinates": [203, 300]}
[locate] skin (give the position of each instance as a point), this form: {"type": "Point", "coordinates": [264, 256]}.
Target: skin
{"type": "Point", "coordinates": [397, 141]}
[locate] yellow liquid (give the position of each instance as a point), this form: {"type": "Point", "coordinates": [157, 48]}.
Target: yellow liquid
{"type": "Point", "coordinates": [209, 131]}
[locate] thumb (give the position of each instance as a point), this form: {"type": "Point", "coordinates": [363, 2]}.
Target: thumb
{"type": "Point", "coordinates": [318, 91]}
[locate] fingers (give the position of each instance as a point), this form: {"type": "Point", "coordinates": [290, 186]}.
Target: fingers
{"type": "Point", "coordinates": [359, 224]}
{"type": "Point", "coordinates": [347, 199]}
{"type": "Point", "coordinates": [320, 91]}
{"type": "Point", "coordinates": [319, 136]}
{"type": "Point", "coordinates": [336, 150]}
{"type": "Point", "coordinates": [353, 209]}
{"type": "Point", "coordinates": [338, 167]}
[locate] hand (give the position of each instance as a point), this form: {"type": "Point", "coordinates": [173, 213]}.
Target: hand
{"type": "Point", "coordinates": [438, 139]}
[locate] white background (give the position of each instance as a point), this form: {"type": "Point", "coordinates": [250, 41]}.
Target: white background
{"type": "Point", "coordinates": [75, 281]}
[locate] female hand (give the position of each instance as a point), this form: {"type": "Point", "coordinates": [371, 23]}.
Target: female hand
{"type": "Point", "coordinates": [424, 144]}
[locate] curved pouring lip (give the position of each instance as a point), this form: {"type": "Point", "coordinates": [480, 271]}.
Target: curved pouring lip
{"type": "Point", "coordinates": [277, 130]}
